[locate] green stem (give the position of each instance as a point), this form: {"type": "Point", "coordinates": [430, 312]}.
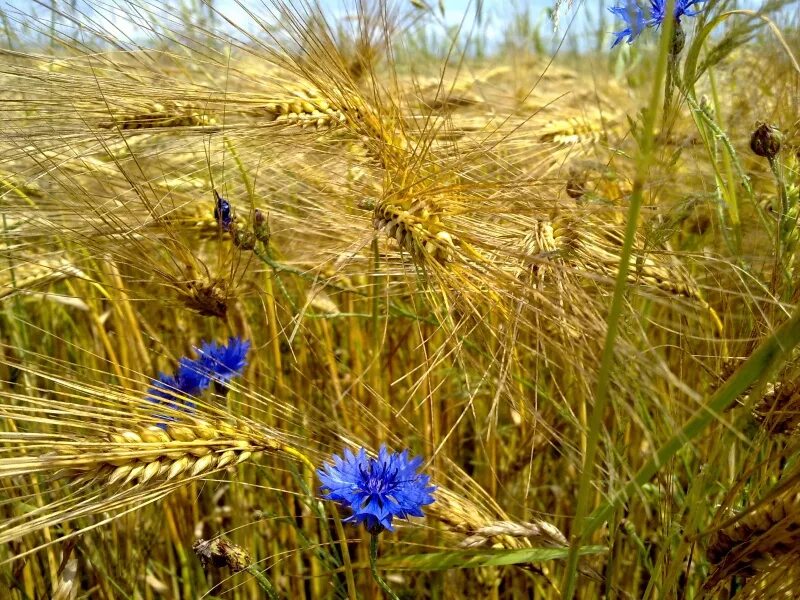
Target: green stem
{"type": "Point", "coordinates": [373, 565]}
{"type": "Point", "coordinates": [784, 198]}
{"type": "Point", "coordinates": [721, 136]}
{"type": "Point", "coordinates": [248, 184]}
{"type": "Point", "coordinates": [784, 229]}
{"type": "Point", "coordinates": [263, 582]}
{"type": "Point", "coordinates": [265, 256]}
{"type": "Point", "coordinates": [585, 490]}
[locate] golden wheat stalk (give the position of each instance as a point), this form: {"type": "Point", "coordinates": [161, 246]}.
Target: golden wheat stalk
{"type": "Point", "coordinates": [775, 578]}
{"type": "Point", "coordinates": [111, 470]}
{"type": "Point", "coordinates": [779, 515]}
{"type": "Point", "coordinates": [73, 447]}
{"type": "Point", "coordinates": [540, 532]}
{"type": "Point", "coordinates": [585, 244]}
{"type": "Point", "coordinates": [68, 582]}
{"type": "Point", "coordinates": [139, 455]}
{"type": "Point", "coordinates": [589, 129]}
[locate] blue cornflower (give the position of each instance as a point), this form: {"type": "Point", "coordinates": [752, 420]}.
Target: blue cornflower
{"type": "Point", "coordinates": [223, 363]}
{"type": "Point", "coordinates": [165, 391]}
{"type": "Point", "coordinates": [683, 8]}
{"type": "Point", "coordinates": [633, 16]}
{"type": "Point", "coordinates": [376, 489]}
{"type": "Point", "coordinates": [223, 213]}
{"type": "Point", "coordinates": [193, 376]}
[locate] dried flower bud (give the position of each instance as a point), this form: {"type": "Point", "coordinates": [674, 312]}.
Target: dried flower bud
{"type": "Point", "coordinates": [221, 552]}
{"type": "Point", "coordinates": [766, 140]}
{"type": "Point", "coordinates": [261, 226]}
{"type": "Point", "coordinates": [245, 240]}
{"type": "Point", "coordinates": [259, 218]}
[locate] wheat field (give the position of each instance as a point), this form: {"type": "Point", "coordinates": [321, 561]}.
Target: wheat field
{"type": "Point", "coordinates": [242, 240]}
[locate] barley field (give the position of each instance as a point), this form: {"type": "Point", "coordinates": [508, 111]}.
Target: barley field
{"type": "Point", "coordinates": [400, 299]}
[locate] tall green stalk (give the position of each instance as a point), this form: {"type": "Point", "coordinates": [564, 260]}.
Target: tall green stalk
{"type": "Point", "coordinates": [373, 565]}
{"type": "Point", "coordinates": [585, 490]}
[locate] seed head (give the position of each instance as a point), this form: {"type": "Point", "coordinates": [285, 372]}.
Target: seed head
{"type": "Point", "coordinates": [576, 184]}
{"type": "Point", "coordinates": [261, 226]}
{"type": "Point", "coordinates": [766, 140]}
{"type": "Point", "coordinates": [221, 552]}
{"type": "Point", "coordinates": [678, 40]}
{"type": "Point", "coordinates": [244, 240]}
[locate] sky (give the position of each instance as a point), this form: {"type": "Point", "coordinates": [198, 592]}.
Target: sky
{"type": "Point", "coordinates": [454, 9]}
{"type": "Point", "coordinates": [497, 13]}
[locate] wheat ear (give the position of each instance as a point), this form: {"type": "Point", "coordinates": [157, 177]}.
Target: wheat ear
{"type": "Point", "coordinates": [152, 453]}
{"type": "Point", "coordinates": [418, 230]}
{"type": "Point", "coordinates": [541, 532]}
{"type": "Point", "coordinates": [162, 115]}
{"type": "Point", "coordinates": [766, 532]}
{"type": "Point", "coordinates": [307, 109]}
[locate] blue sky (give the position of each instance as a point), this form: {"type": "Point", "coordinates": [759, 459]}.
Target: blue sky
{"type": "Point", "coordinates": [587, 13]}
{"type": "Point", "coordinates": [496, 13]}
{"type": "Point", "coordinates": [454, 9]}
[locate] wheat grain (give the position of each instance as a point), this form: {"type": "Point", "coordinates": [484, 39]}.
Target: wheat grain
{"type": "Point", "coordinates": [417, 230]}
{"type": "Point", "coordinates": [779, 517]}
{"type": "Point", "coordinates": [207, 296]}
{"type": "Point", "coordinates": [540, 532]}
{"type": "Point", "coordinates": [307, 108]}
{"type": "Point", "coordinates": [162, 115]}
{"type": "Point", "coordinates": [574, 130]}
{"type": "Point", "coordinates": [154, 454]}
{"type": "Point", "coordinates": [775, 578]}
{"type": "Point", "coordinates": [68, 584]}
{"type": "Point", "coordinates": [32, 275]}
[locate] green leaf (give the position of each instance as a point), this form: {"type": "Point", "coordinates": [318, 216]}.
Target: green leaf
{"type": "Point", "coordinates": [471, 559]}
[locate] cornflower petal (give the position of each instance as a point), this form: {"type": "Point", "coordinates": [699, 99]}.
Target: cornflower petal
{"type": "Point", "coordinates": [165, 391]}
{"type": "Point", "coordinates": [683, 8]}
{"type": "Point", "coordinates": [223, 363]}
{"type": "Point", "coordinates": [633, 16]}
{"type": "Point", "coordinates": [376, 489]}
{"type": "Point", "coordinates": [193, 376]}
{"type": "Point", "coordinates": [223, 213]}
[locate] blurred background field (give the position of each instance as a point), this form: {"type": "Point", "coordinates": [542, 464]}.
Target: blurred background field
{"type": "Point", "coordinates": [562, 273]}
